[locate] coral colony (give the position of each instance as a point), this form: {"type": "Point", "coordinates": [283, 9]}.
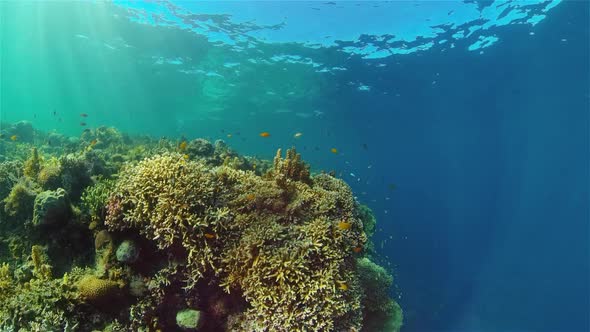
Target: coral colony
{"type": "Point", "coordinates": [111, 233]}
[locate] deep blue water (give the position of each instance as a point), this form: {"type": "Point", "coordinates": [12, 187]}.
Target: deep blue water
{"type": "Point", "coordinates": [490, 213]}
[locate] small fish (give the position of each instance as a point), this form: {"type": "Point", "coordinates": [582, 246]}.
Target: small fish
{"type": "Point", "coordinates": [342, 285]}
{"type": "Point", "coordinates": [229, 135]}
{"type": "Point", "coordinates": [343, 225]}
{"type": "Point", "coordinates": [186, 157]}
{"type": "Point", "coordinates": [13, 138]}
{"type": "Point", "coordinates": [353, 175]}
{"type": "Point", "coordinates": [84, 115]}
{"type": "Point", "coordinates": [250, 197]}
{"type": "Point", "coordinates": [297, 135]}
{"type": "Point", "coordinates": [357, 249]}
{"type": "Point", "coordinates": [209, 235]}
{"type": "Point", "coordinates": [392, 186]}
{"type": "Point", "coordinates": [182, 145]}
{"type": "Point", "coordinates": [365, 146]}
{"type": "Point", "coordinates": [82, 124]}
{"type": "Point", "coordinates": [264, 134]}
{"type": "Point", "coordinates": [334, 150]}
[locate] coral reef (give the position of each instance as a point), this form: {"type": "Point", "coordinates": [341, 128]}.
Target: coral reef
{"type": "Point", "coordinates": [113, 233]}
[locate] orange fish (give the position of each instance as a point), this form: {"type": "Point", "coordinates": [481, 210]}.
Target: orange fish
{"type": "Point", "coordinates": [334, 150]}
{"type": "Point", "coordinates": [250, 197]}
{"type": "Point", "coordinates": [182, 145]}
{"type": "Point", "coordinates": [209, 235]}
{"type": "Point", "coordinates": [13, 137]}
{"type": "Point", "coordinates": [357, 249]}
{"type": "Point", "coordinates": [93, 142]}
{"type": "Point", "coordinates": [343, 225]}
{"type": "Point", "coordinates": [264, 134]}
{"type": "Point", "coordinates": [84, 115]}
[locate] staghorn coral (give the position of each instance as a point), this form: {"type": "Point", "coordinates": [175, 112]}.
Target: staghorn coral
{"type": "Point", "coordinates": [292, 167]}
{"type": "Point", "coordinates": [275, 240]}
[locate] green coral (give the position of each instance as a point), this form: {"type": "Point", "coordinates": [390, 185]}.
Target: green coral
{"type": "Point", "coordinates": [50, 175]}
{"type": "Point", "coordinates": [95, 198]}
{"type": "Point", "coordinates": [32, 165]}
{"type": "Point", "coordinates": [51, 208]}
{"type": "Point", "coordinates": [20, 199]}
{"type": "Point", "coordinates": [381, 313]}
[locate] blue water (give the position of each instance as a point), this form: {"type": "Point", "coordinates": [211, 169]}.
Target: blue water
{"type": "Point", "coordinates": [474, 157]}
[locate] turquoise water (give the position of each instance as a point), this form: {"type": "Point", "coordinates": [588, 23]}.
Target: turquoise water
{"type": "Point", "coordinates": [462, 125]}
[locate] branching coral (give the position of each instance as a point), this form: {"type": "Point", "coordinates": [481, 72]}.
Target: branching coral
{"type": "Point", "coordinates": [95, 199]}
{"type": "Point", "coordinates": [292, 167]}
{"type": "Point", "coordinates": [33, 165]}
{"type": "Point", "coordinates": [282, 248]}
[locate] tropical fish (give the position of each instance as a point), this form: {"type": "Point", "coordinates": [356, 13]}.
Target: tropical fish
{"type": "Point", "coordinates": [186, 157]}
{"type": "Point", "coordinates": [344, 225]}
{"type": "Point", "coordinates": [250, 197]}
{"type": "Point", "coordinates": [93, 142]}
{"type": "Point", "coordinates": [264, 134]}
{"type": "Point", "coordinates": [297, 135]}
{"type": "Point", "coordinates": [342, 285]}
{"type": "Point", "coordinates": [82, 124]}
{"type": "Point", "coordinates": [229, 135]}
{"type": "Point", "coordinates": [84, 115]}
{"type": "Point", "coordinates": [209, 235]}
{"type": "Point", "coordinates": [182, 145]}
{"type": "Point", "coordinates": [392, 186]}
{"type": "Point", "coordinates": [357, 249]}
{"type": "Point", "coordinates": [13, 137]}
{"type": "Point", "coordinates": [334, 150]}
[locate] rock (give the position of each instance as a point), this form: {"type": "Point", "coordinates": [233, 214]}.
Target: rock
{"type": "Point", "coordinates": [188, 319]}
{"type": "Point", "coordinates": [200, 147]}
{"type": "Point", "coordinates": [127, 252]}
{"type": "Point", "coordinates": [51, 208]}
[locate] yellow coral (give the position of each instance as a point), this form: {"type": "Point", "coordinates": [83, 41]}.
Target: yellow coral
{"type": "Point", "coordinates": [93, 289]}
{"type": "Point", "coordinates": [277, 239]}
{"type": "Point", "coordinates": [41, 266]}
{"type": "Point", "coordinates": [32, 165]}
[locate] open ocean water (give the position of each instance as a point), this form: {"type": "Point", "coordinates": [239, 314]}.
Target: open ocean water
{"type": "Point", "coordinates": [463, 126]}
